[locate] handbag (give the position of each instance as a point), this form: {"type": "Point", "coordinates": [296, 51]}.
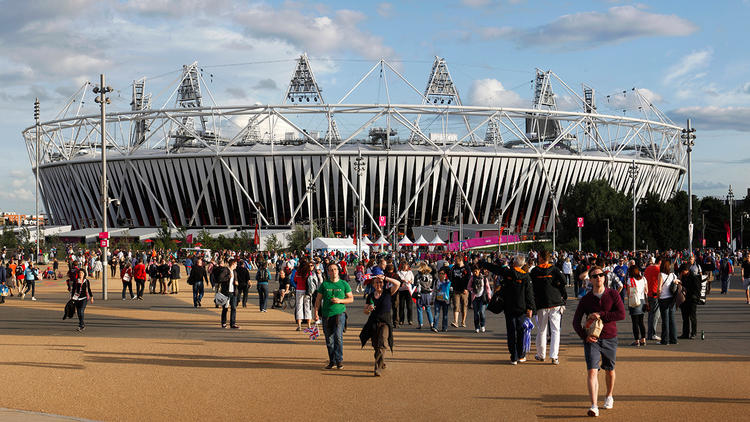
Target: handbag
{"type": "Point", "coordinates": [4, 290]}
{"type": "Point", "coordinates": [678, 292]}
{"type": "Point", "coordinates": [496, 304]}
{"type": "Point", "coordinates": [126, 277]}
{"type": "Point", "coordinates": [634, 300]}
{"type": "Point", "coordinates": [221, 299]}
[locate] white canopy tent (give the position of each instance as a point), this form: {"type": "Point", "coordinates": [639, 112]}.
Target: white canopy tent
{"type": "Point", "coordinates": [405, 242]}
{"type": "Point", "coordinates": [436, 241]}
{"type": "Point", "coordinates": [421, 241]}
{"type": "Point", "coordinates": [327, 244]}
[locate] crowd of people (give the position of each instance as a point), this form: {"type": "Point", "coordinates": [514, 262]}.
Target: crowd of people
{"type": "Point", "coordinates": [531, 290]}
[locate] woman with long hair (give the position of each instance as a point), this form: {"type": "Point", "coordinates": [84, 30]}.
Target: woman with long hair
{"type": "Point", "coordinates": [636, 288]}
{"type": "Point", "coordinates": [666, 303]}
{"type": "Point", "coordinates": [303, 308]}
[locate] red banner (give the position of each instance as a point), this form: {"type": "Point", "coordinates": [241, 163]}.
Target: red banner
{"type": "Point", "coordinates": [256, 238]}
{"type": "Point", "coordinates": [727, 228]}
{"type": "Point", "coordinates": [189, 238]}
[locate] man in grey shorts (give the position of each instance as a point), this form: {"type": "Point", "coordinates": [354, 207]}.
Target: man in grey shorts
{"type": "Point", "coordinates": [600, 351]}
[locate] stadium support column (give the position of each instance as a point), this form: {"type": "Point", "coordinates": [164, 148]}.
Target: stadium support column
{"type": "Point", "coordinates": [103, 100]}
{"type": "Point", "coordinates": [359, 167]}
{"type": "Point", "coordinates": [730, 200]}
{"type": "Point", "coordinates": [36, 175]}
{"type": "Point", "coordinates": [310, 191]}
{"type": "Point", "coordinates": [688, 139]}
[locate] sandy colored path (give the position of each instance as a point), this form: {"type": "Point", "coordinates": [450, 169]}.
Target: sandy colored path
{"type": "Point", "coordinates": [161, 359]}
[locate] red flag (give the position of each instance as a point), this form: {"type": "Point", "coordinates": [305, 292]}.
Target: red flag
{"type": "Point", "coordinates": [354, 238]}
{"type": "Point", "coordinates": [256, 238]}
{"type": "Point", "coordinates": [726, 227]}
{"type": "Point", "coordinates": [189, 238]}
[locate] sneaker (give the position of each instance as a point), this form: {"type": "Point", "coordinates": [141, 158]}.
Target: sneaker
{"type": "Point", "coordinates": [80, 328]}
{"type": "Point", "coordinates": [539, 358]}
{"type": "Point", "coordinates": [223, 325]}
{"type": "Point", "coordinates": [656, 338]}
{"type": "Point", "coordinates": [477, 330]}
{"type": "Point", "coordinates": [433, 329]}
{"type": "Point", "coordinates": [555, 361]}
{"type": "Point", "coordinates": [609, 402]}
{"type": "Point", "coordinates": [513, 362]}
{"type": "Point", "coordinates": [453, 324]}
{"type": "Point", "coordinates": [299, 328]}
{"type": "Point", "coordinates": [235, 327]}
{"type": "Point", "coordinates": [329, 366]}
{"type": "Point", "coordinates": [522, 360]}
{"type": "Point", "coordinates": [482, 329]}
{"type": "Point", "coordinates": [339, 365]}
{"type": "Point", "coordinates": [463, 325]}
{"type": "Point", "coordinates": [23, 296]}
{"type": "Point", "coordinates": [33, 298]}
{"type": "Point", "coordinates": [593, 411]}
{"type": "Point", "coordinates": [123, 298]}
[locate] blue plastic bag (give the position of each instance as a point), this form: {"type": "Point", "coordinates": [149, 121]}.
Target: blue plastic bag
{"type": "Point", "coordinates": [528, 325]}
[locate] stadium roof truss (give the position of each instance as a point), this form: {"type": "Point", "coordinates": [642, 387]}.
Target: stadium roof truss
{"type": "Point", "coordinates": [438, 125]}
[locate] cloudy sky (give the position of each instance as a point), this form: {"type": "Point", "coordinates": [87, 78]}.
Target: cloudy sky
{"type": "Point", "coordinates": [689, 58]}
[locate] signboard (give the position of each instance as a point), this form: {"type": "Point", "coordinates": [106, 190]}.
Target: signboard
{"type": "Point", "coordinates": [104, 235]}
{"type": "Point", "coordinates": [103, 243]}
{"type": "Point", "coordinates": [381, 221]}
{"type": "Point", "coordinates": [189, 239]}
{"type": "Point", "coordinates": [580, 221]}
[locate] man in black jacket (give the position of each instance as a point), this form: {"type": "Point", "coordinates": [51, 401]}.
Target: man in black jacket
{"type": "Point", "coordinates": [243, 282]}
{"type": "Point", "coordinates": [691, 282]}
{"type": "Point", "coordinates": [518, 297]}
{"type": "Point", "coordinates": [459, 276]}
{"type": "Point", "coordinates": [196, 279]}
{"type": "Point", "coordinates": [549, 297]}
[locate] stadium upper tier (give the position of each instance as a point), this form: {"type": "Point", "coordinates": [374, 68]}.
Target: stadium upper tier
{"type": "Point", "coordinates": [196, 165]}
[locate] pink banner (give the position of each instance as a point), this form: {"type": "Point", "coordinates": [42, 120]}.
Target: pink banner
{"type": "Point", "coordinates": [483, 242]}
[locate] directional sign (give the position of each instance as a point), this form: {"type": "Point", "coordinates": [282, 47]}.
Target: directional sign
{"type": "Point", "coordinates": [381, 221]}
{"type": "Point", "coordinates": [580, 221]}
{"type": "Point", "coordinates": [104, 235]}
{"type": "Point", "coordinates": [103, 243]}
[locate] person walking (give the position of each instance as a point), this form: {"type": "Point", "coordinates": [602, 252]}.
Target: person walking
{"type": "Point", "coordinates": [139, 273]}
{"type": "Point", "coordinates": [31, 275]}
{"type": "Point", "coordinates": [637, 303]}
{"type": "Point", "coordinates": [126, 276]}
{"type": "Point", "coordinates": [518, 298]}
{"type": "Point", "coordinates": [425, 283]}
{"type": "Point", "coordinates": [550, 298]}
{"type": "Point", "coordinates": [459, 277]}
{"type": "Point", "coordinates": [197, 278]}
{"type": "Point", "coordinates": [726, 268]}
{"type": "Point", "coordinates": [442, 296]}
{"type": "Point", "coordinates": [80, 294]}
{"type": "Point", "coordinates": [227, 281]}
{"type": "Point", "coordinates": [378, 328]}
{"type": "Point", "coordinates": [262, 277]}
{"type": "Point", "coordinates": [746, 277]}
{"type": "Point", "coordinates": [330, 303]}
{"type": "Point", "coordinates": [691, 281]}
{"type": "Point", "coordinates": [600, 352]}
{"type": "Point", "coordinates": [243, 278]}
{"type": "Point", "coordinates": [652, 273]}
{"type": "Point", "coordinates": [405, 302]}
{"type": "Point", "coordinates": [174, 277]}
{"type": "Point", "coordinates": [303, 307]}
{"type": "Point", "coordinates": [481, 293]}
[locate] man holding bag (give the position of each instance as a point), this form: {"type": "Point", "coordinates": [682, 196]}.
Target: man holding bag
{"type": "Point", "coordinates": [600, 349]}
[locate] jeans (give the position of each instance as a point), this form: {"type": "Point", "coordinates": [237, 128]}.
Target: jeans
{"type": "Point", "coordinates": [232, 308]}
{"type": "Point", "coordinates": [639, 329]}
{"type": "Point", "coordinates": [197, 292]}
{"type": "Point", "coordinates": [127, 285]}
{"type": "Point", "coordinates": [113, 270]}
{"type": "Point", "coordinates": [333, 328]}
{"type": "Point", "coordinates": [187, 270]}
{"type": "Point", "coordinates": [668, 329]}
{"type": "Point", "coordinates": [30, 285]}
{"type": "Point", "coordinates": [479, 307]}
{"type": "Point", "coordinates": [428, 309]}
{"type": "Point", "coordinates": [140, 286]}
{"type": "Point", "coordinates": [514, 326]}
{"type": "Point", "coordinates": [653, 317]}
{"type": "Point", "coordinates": [80, 307]}
{"type": "Point", "coordinates": [242, 293]}
{"type": "Point", "coordinates": [548, 318]}
{"type": "Point", "coordinates": [441, 306]}
{"type": "Point", "coordinates": [724, 284]}
{"type": "Point", "coordinates": [689, 319]}
{"type": "Point", "coordinates": [380, 343]}
{"type": "Point", "coordinates": [404, 301]}
{"type": "Point", "coordinates": [262, 296]}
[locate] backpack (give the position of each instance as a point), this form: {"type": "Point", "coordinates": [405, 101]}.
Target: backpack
{"type": "Point", "coordinates": [476, 283]}
{"type": "Point", "coordinates": [8, 272]}
{"type": "Point", "coordinates": [19, 271]}
{"type": "Point", "coordinates": [263, 276]}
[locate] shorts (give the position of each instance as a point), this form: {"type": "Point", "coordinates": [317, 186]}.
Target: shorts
{"type": "Point", "coordinates": [602, 354]}
{"type": "Point", "coordinates": [746, 283]}
{"type": "Point", "coordinates": [460, 301]}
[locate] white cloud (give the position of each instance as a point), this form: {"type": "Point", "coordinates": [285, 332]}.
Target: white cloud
{"type": "Point", "coordinates": [688, 64]}
{"type": "Point", "coordinates": [492, 93]}
{"type": "Point", "coordinates": [476, 3]}
{"type": "Point", "coordinates": [385, 9]}
{"type": "Point", "coordinates": [587, 29]}
{"type": "Point", "coordinates": [715, 118]}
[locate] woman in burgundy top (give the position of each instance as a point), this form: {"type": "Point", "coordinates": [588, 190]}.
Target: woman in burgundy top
{"type": "Point", "coordinates": [600, 352]}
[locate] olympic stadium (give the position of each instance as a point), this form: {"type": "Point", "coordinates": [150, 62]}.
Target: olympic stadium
{"type": "Point", "coordinates": [429, 161]}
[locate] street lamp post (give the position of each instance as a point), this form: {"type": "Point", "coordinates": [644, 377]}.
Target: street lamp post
{"type": "Point", "coordinates": [742, 229]}
{"type": "Point", "coordinates": [310, 191]}
{"type": "Point", "coordinates": [102, 91]}
{"type": "Point", "coordinates": [730, 199]}
{"type": "Point", "coordinates": [633, 172]}
{"type": "Point", "coordinates": [460, 223]}
{"type": "Point", "coordinates": [688, 139]}
{"type": "Point", "coordinates": [36, 172]}
{"type": "Point", "coordinates": [258, 207]}
{"type": "Point", "coordinates": [703, 228]}
{"type": "Point", "coordinates": [607, 219]}
{"type": "Point", "coordinates": [359, 167]}
{"type": "Point", "coordinates": [553, 192]}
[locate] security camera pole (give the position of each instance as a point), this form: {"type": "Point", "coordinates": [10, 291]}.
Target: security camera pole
{"type": "Point", "coordinates": [103, 100]}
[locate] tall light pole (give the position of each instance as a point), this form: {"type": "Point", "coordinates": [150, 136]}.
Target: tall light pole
{"type": "Point", "coordinates": [688, 139]}
{"type": "Point", "coordinates": [607, 219]}
{"type": "Point", "coordinates": [359, 167]}
{"type": "Point", "coordinates": [310, 191]}
{"type": "Point", "coordinates": [553, 192]}
{"type": "Point", "coordinates": [730, 199]}
{"type": "Point", "coordinates": [103, 100]}
{"type": "Point", "coordinates": [258, 207]}
{"type": "Point", "coordinates": [460, 223]}
{"type": "Point", "coordinates": [633, 173]}
{"type": "Point", "coordinates": [36, 172]}
{"type": "Point", "coordinates": [703, 228]}
{"type": "Point", "coordinates": [742, 229]}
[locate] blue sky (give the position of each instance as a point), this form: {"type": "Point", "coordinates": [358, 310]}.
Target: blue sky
{"type": "Point", "coordinates": [689, 58]}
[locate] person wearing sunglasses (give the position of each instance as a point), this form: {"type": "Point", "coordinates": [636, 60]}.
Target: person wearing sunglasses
{"type": "Point", "coordinates": [600, 352]}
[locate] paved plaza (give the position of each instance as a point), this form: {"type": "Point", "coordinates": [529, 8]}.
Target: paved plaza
{"type": "Point", "coordinates": [161, 359]}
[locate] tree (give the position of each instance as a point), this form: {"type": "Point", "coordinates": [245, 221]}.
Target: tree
{"type": "Point", "coordinates": [273, 243]}
{"type": "Point", "coordinates": [164, 237]}
{"type": "Point", "coordinates": [300, 236]}
{"type": "Point", "coordinates": [596, 202]}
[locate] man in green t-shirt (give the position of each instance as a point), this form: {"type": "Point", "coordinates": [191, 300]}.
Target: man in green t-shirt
{"type": "Point", "coordinates": [333, 295]}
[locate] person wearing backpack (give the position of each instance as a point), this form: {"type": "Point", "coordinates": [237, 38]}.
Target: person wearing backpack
{"type": "Point", "coordinates": [442, 297]}
{"type": "Point", "coordinates": [262, 277]}
{"type": "Point", "coordinates": [481, 292]}
{"type": "Point", "coordinates": [426, 299]}
{"type": "Point", "coordinates": [725, 272]}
